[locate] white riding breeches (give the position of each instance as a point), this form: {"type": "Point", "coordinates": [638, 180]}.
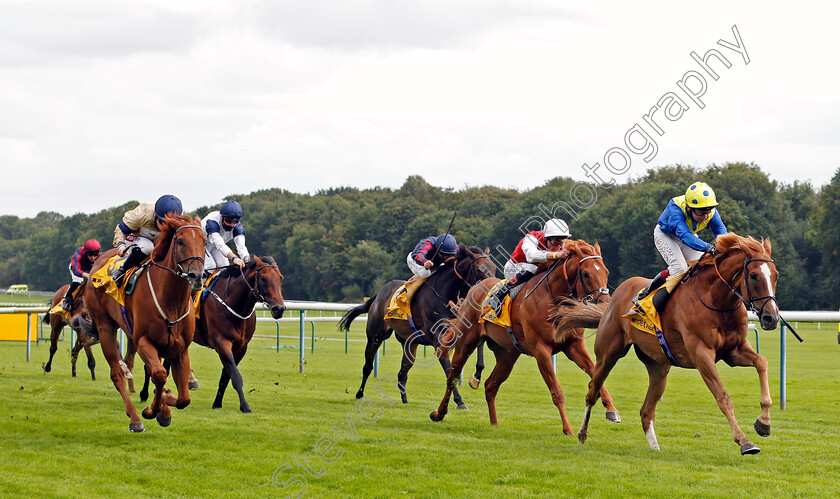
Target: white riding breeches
{"type": "Point", "coordinates": [512, 268]}
{"type": "Point", "coordinates": [145, 244]}
{"type": "Point", "coordinates": [674, 252]}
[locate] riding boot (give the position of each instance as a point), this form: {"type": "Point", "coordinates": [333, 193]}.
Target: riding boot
{"type": "Point", "coordinates": [133, 258]}
{"type": "Point", "coordinates": [497, 299]}
{"type": "Point", "coordinates": [67, 302]}
{"type": "Point", "coordinates": [657, 281]}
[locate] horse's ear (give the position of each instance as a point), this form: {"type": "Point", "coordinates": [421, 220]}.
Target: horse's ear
{"type": "Point", "coordinates": [767, 246]}
{"type": "Point", "coordinates": [197, 218]}
{"type": "Point", "coordinates": [486, 250]}
{"type": "Point", "coordinates": [597, 248]}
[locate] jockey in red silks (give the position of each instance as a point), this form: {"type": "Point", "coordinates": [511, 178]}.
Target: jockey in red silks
{"type": "Point", "coordinates": [538, 246]}
{"type": "Point", "coordinates": [80, 264]}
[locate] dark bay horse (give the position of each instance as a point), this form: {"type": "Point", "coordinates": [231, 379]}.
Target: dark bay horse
{"type": "Point", "coordinates": [704, 321]}
{"type": "Point", "coordinates": [227, 322]}
{"type": "Point", "coordinates": [158, 315]}
{"type": "Point", "coordinates": [430, 309]}
{"type": "Point", "coordinates": [582, 275]}
{"type": "Point", "coordinates": [83, 340]}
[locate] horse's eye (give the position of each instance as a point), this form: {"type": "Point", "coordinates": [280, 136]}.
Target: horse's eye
{"type": "Point", "coordinates": [753, 276]}
{"type": "Point", "coordinates": [586, 274]}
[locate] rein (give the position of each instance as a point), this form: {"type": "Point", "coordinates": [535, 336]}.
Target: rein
{"type": "Point", "coordinates": [254, 291]}
{"type": "Point", "coordinates": [180, 271]}
{"type": "Point", "coordinates": [569, 284]}
{"type": "Point", "coordinates": [466, 281]}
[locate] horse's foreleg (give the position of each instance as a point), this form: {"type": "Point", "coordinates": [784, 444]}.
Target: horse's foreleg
{"type": "Point", "coordinates": [149, 356]}
{"type": "Point", "coordinates": [111, 352]}
{"type": "Point", "coordinates": [181, 375]}
{"type": "Point", "coordinates": [542, 354]}
{"type": "Point", "coordinates": [128, 360]}
{"type": "Point", "coordinates": [475, 379]}
{"type": "Point", "coordinates": [704, 359]}
{"type": "Point", "coordinates": [409, 351]}
{"type": "Point", "coordinates": [231, 371]}
{"type": "Point", "coordinates": [464, 347]}
{"type": "Point", "coordinates": [577, 352]}
{"type": "Point", "coordinates": [744, 355]}
{"type": "Point", "coordinates": [657, 379]}
{"type": "Point", "coordinates": [504, 364]}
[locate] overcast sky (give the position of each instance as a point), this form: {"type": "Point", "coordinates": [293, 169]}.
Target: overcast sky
{"type": "Point", "coordinates": [111, 101]}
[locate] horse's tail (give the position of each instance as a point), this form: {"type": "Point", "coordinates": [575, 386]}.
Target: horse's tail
{"type": "Point", "coordinates": [87, 325]}
{"type": "Point", "coordinates": [46, 319]}
{"type": "Point", "coordinates": [570, 314]}
{"type": "Point", "coordinates": [344, 323]}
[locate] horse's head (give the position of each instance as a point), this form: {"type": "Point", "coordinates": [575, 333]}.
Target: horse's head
{"type": "Point", "coordinates": [266, 282]}
{"type": "Point", "coordinates": [473, 265]}
{"type": "Point", "coordinates": [180, 248]}
{"type": "Point", "coordinates": [585, 272]}
{"type": "Point", "coordinates": [753, 272]}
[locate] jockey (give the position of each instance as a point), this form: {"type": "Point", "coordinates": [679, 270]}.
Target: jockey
{"type": "Point", "coordinates": [221, 227]}
{"type": "Point", "coordinates": [430, 252]}
{"type": "Point", "coordinates": [80, 265]}
{"type": "Point", "coordinates": [675, 234]}
{"type": "Point", "coordinates": [538, 246]}
{"type": "Point", "coordinates": [134, 234]}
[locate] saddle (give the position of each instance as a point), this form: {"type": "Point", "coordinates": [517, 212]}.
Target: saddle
{"type": "Point", "coordinates": [399, 307]}
{"type": "Point", "coordinates": [102, 277]}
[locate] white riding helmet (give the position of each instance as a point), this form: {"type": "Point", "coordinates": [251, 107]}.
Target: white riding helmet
{"type": "Point", "coordinates": [556, 228]}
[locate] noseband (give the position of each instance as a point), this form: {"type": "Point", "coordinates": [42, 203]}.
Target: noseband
{"type": "Point", "coordinates": [586, 292]}
{"type": "Point", "coordinates": [749, 302]}
{"type": "Point", "coordinates": [179, 269]}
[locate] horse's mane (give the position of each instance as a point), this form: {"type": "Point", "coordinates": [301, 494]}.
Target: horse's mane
{"type": "Point", "coordinates": [580, 247]}
{"type": "Point", "coordinates": [233, 270]}
{"type": "Point", "coordinates": [731, 242]}
{"type": "Point", "coordinates": [463, 249]}
{"type": "Point", "coordinates": [170, 224]}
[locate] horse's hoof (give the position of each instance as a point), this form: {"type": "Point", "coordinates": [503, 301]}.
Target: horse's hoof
{"type": "Point", "coordinates": [435, 416]}
{"type": "Point", "coordinates": [147, 413]}
{"type": "Point", "coordinates": [217, 405]}
{"type": "Point", "coordinates": [462, 406]}
{"type": "Point", "coordinates": [194, 385]}
{"type": "Point", "coordinates": [581, 438]}
{"type": "Point", "coordinates": [46, 368]}
{"type": "Point", "coordinates": [761, 428]}
{"type": "Point", "coordinates": [360, 394]}
{"type": "Point", "coordinates": [164, 420]}
{"type": "Point", "coordinates": [474, 382]}
{"type": "Point", "coordinates": [246, 410]}
{"type": "Point", "coordinates": [749, 448]}
{"type": "Point", "coordinates": [613, 416]}
{"type": "Point", "coordinates": [136, 427]}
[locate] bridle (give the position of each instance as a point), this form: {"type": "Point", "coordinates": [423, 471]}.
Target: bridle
{"type": "Point", "coordinates": [179, 269]}
{"type": "Point", "coordinates": [587, 294]}
{"type": "Point", "coordinates": [749, 302]}
{"type": "Point", "coordinates": [254, 290]}
{"type": "Point", "coordinates": [465, 280]}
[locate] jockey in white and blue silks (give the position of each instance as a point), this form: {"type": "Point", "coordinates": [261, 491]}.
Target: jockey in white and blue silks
{"type": "Point", "coordinates": [221, 227]}
{"type": "Point", "coordinates": [134, 235]}
{"type": "Point", "coordinates": [675, 234]}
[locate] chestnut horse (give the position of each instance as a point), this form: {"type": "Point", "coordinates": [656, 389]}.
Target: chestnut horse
{"type": "Point", "coordinates": [158, 315]}
{"type": "Point", "coordinates": [582, 275]}
{"type": "Point", "coordinates": [57, 324]}
{"type": "Point", "coordinates": [430, 308]}
{"type": "Point", "coordinates": [704, 321]}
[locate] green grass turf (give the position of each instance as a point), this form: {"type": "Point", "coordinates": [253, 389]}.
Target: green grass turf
{"type": "Point", "coordinates": [64, 436]}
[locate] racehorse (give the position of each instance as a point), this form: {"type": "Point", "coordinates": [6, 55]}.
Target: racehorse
{"type": "Point", "coordinates": [57, 324]}
{"type": "Point", "coordinates": [226, 323]}
{"type": "Point", "coordinates": [704, 320]}
{"type": "Point", "coordinates": [429, 307]}
{"type": "Point", "coordinates": [158, 315]}
{"type": "Point", "coordinates": [582, 275]}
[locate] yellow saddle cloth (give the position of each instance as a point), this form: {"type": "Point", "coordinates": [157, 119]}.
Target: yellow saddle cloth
{"type": "Point", "coordinates": [399, 307]}
{"type": "Point", "coordinates": [487, 312]}
{"type": "Point", "coordinates": [199, 295]}
{"type": "Point", "coordinates": [644, 316]}
{"type": "Point", "coordinates": [102, 277]}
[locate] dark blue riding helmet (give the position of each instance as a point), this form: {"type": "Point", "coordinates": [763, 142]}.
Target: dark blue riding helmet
{"type": "Point", "coordinates": [231, 209]}
{"type": "Point", "coordinates": [446, 244]}
{"type": "Point", "coordinates": [167, 204]}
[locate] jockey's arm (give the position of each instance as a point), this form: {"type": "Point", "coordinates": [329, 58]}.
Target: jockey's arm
{"type": "Point", "coordinates": [531, 248]}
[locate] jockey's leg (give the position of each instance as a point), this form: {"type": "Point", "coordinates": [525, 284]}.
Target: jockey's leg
{"type": "Point", "coordinates": [134, 256]}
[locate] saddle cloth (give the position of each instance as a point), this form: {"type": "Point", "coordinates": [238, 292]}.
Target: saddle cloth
{"type": "Point", "coordinates": [644, 315]}
{"type": "Point", "coordinates": [200, 294]}
{"type": "Point", "coordinates": [102, 277]}
{"type": "Point", "coordinates": [59, 310]}
{"type": "Point", "coordinates": [487, 312]}
{"type": "Point", "coordinates": [399, 307]}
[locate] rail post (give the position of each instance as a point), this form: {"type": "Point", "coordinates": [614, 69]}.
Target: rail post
{"type": "Point", "coordinates": [301, 344]}
{"type": "Point", "coordinates": [28, 334]}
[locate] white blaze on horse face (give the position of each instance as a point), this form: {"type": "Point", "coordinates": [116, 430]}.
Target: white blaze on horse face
{"type": "Point", "coordinates": [597, 267]}
{"type": "Point", "coordinates": [765, 271]}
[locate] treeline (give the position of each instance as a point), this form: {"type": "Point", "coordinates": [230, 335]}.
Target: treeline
{"type": "Point", "coordinates": [341, 244]}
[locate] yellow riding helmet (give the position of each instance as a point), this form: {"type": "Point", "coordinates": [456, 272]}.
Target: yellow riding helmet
{"type": "Point", "coordinates": [700, 195]}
